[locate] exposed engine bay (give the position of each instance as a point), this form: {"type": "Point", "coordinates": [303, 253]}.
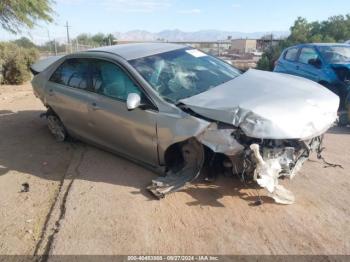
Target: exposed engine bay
{"type": "Point", "coordinates": [261, 131]}
{"type": "Point", "coordinates": [261, 160]}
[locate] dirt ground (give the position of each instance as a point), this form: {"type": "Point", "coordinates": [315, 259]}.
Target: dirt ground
{"type": "Point", "coordinates": [83, 200]}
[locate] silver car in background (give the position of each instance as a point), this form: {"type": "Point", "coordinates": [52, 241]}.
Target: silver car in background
{"type": "Point", "coordinates": [178, 110]}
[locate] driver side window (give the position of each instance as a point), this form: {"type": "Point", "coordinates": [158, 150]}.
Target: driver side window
{"type": "Point", "coordinates": [306, 54]}
{"type": "Point", "coordinates": [110, 80]}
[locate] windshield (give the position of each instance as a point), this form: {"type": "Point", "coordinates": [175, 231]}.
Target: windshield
{"type": "Point", "coordinates": [335, 54]}
{"type": "Point", "coordinates": [183, 73]}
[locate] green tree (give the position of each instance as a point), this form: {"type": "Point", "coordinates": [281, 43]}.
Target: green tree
{"type": "Point", "coordinates": [300, 31]}
{"type": "Point", "coordinates": [15, 14]}
{"type": "Point", "coordinates": [84, 39]}
{"type": "Point", "coordinates": [98, 39]}
{"type": "Point", "coordinates": [109, 39]}
{"type": "Point", "coordinates": [24, 42]}
{"type": "Point", "coordinates": [15, 62]}
{"type": "Point", "coordinates": [337, 27]}
{"type": "Point", "coordinates": [264, 63]}
{"type": "Point", "coordinates": [49, 46]}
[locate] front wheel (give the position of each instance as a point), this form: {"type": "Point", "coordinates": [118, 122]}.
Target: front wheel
{"type": "Point", "coordinates": [56, 128]}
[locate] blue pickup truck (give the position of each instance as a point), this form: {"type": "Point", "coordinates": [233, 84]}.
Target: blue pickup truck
{"type": "Point", "coordinates": [327, 64]}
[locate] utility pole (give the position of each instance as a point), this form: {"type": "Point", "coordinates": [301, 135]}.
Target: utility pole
{"type": "Point", "coordinates": [68, 40]}
{"type": "Point", "coordinates": [55, 46]}
{"type": "Point", "coordinates": [67, 27]}
{"type": "Point", "coordinates": [0, 74]}
{"type": "Point", "coordinates": [48, 35]}
{"type": "Point", "coordinates": [271, 43]}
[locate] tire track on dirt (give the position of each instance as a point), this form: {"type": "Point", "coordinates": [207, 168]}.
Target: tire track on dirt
{"type": "Point", "coordinates": [58, 209]}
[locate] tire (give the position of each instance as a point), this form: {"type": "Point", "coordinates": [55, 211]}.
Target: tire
{"type": "Point", "coordinates": [56, 128]}
{"type": "Point", "coordinates": [343, 119]}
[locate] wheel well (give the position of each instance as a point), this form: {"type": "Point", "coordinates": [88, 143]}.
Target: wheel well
{"type": "Point", "coordinates": [174, 159]}
{"type": "Point", "coordinates": [173, 155]}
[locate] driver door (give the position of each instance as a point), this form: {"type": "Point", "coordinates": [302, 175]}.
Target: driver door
{"type": "Point", "coordinates": [307, 70]}
{"type": "Point", "coordinates": [131, 133]}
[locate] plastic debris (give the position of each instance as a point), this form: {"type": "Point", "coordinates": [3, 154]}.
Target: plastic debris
{"type": "Point", "coordinates": [266, 174]}
{"type": "Point", "coordinates": [25, 188]}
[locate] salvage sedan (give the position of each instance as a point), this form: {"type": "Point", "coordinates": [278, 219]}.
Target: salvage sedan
{"type": "Point", "coordinates": [178, 110]}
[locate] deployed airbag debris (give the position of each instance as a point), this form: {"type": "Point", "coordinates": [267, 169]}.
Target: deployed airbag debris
{"type": "Point", "coordinates": [266, 174]}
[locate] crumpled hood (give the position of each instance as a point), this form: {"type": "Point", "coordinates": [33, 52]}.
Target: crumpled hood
{"type": "Point", "coordinates": [269, 105]}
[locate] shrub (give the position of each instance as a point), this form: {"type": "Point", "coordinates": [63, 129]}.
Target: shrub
{"type": "Point", "coordinates": [15, 62]}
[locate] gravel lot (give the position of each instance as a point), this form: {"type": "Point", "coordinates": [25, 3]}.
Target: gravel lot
{"type": "Point", "coordinates": [83, 200]}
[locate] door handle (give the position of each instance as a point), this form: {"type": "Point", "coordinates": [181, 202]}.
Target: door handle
{"type": "Point", "coordinates": [94, 106]}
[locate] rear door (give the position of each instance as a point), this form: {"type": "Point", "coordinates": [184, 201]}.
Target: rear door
{"type": "Point", "coordinates": [305, 69]}
{"type": "Point", "coordinates": [288, 62]}
{"type": "Point", "coordinates": [131, 133]}
{"type": "Point", "coordinates": [69, 95]}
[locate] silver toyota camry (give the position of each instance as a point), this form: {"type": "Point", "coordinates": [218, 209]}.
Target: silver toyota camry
{"type": "Point", "coordinates": [180, 111]}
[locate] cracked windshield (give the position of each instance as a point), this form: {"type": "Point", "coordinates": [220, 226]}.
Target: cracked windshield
{"type": "Point", "coordinates": [183, 73]}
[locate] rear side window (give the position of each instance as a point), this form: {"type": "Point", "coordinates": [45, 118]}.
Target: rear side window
{"type": "Point", "coordinates": [291, 54]}
{"type": "Point", "coordinates": [306, 54]}
{"type": "Point", "coordinates": [73, 73]}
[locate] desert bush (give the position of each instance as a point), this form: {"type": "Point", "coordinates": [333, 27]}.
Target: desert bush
{"type": "Point", "coordinates": [15, 62]}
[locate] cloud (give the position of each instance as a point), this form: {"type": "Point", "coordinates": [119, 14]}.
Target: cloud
{"type": "Point", "coordinates": [190, 11]}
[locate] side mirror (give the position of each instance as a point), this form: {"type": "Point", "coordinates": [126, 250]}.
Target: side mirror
{"type": "Point", "coordinates": [133, 101]}
{"type": "Point", "coordinates": [315, 62]}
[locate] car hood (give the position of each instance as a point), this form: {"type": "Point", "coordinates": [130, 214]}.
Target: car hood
{"type": "Point", "coordinates": [269, 105]}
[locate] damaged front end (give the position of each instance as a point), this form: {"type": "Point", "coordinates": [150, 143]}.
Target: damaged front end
{"type": "Point", "coordinates": [267, 160]}
{"type": "Point", "coordinates": [263, 126]}
{"type": "Point", "coordinates": [276, 159]}
{"type": "Point", "coordinates": [261, 160]}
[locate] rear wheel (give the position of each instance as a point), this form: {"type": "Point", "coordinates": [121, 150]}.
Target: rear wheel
{"type": "Point", "coordinates": [56, 127]}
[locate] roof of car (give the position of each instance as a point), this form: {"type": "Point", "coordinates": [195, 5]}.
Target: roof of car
{"type": "Point", "coordinates": [320, 44]}
{"type": "Point", "coordinates": [138, 50]}
{"type": "Point", "coordinates": [330, 44]}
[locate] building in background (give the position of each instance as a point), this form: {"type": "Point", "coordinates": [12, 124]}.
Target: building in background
{"type": "Point", "coordinates": [243, 46]}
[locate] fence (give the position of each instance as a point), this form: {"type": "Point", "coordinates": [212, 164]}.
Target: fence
{"type": "Point", "coordinates": [64, 49]}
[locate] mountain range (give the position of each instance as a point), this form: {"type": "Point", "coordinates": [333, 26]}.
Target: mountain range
{"type": "Point", "coordinates": [203, 35]}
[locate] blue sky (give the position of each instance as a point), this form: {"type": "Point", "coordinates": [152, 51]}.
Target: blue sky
{"type": "Point", "coordinates": [92, 16]}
